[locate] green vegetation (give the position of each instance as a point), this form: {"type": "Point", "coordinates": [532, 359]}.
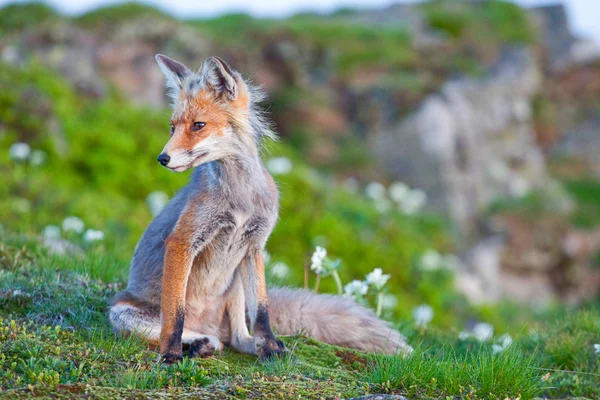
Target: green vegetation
{"type": "Point", "coordinates": [113, 15]}
{"type": "Point", "coordinates": [105, 152]}
{"type": "Point", "coordinates": [99, 165]}
{"type": "Point", "coordinates": [16, 17]}
{"type": "Point", "coordinates": [502, 21]}
{"type": "Point", "coordinates": [55, 340]}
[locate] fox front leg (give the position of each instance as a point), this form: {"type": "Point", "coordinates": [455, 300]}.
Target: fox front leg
{"type": "Point", "coordinates": [184, 243]}
{"type": "Point", "coordinates": [267, 345]}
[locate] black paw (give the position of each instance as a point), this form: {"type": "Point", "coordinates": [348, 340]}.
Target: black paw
{"type": "Point", "coordinates": [271, 348]}
{"type": "Point", "coordinates": [171, 358]}
{"type": "Point", "coordinates": [202, 348]}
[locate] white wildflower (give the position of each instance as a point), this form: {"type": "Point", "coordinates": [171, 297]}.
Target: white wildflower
{"type": "Point", "coordinates": [389, 301]}
{"type": "Point", "coordinates": [19, 151]}
{"type": "Point", "coordinates": [375, 190]}
{"type": "Point", "coordinates": [317, 260]}
{"type": "Point", "coordinates": [505, 341]}
{"type": "Point", "coordinates": [356, 288]}
{"type": "Point", "coordinates": [496, 348]}
{"type": "Point", "coordinates": [483, 331]}
{"type": "Point", "coordinates": [413, 202]}
{"type": "Point", "coordinates": [73, 224]}
{"type": "Point", "coordinates": [37, 158]}
{"type": "Point", "coordinates": [92, 235]}
{"type": "Point", "coordinates": [423, 315]}
{"type": "Point", "coordinates": [431, 260]}
{"type": "Point", "coordinates": [279, 165]}
{"type": "Point", "coordinates": [597, 348]}
{"type": "Point", "coordinates": [398, 191]}
{"type": "Point", "coordinates": [377, 278]}
{"type": "Point", "coordinates": [156, 201]}
{"type": "Point", "coordinates": [382, 205]}
{"type": "Point", "coordinates": [51, 232]}
{"type": "Point", "coordinates": [464, 335]}
{"type": "Point", "coordinates": [280, 270]}
{"type": "Point", "coordinates": [266, 257]}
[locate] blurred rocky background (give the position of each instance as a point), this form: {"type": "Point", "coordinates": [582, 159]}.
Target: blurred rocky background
{"type": "Point", "coordinates": [490, 109]}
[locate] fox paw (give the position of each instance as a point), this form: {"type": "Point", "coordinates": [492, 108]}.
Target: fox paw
{"type": "Point", "coordinates": [270, 348]}
{"type": "Point", "coordinates": [202, 348]}
{"type": "Point", "coordinates": [172, 358]}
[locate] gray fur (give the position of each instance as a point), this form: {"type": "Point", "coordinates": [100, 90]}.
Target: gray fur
{"type": "Point", "coordinates": [332, 319]}
{"type": "Point", "coordinates": [231, 203]}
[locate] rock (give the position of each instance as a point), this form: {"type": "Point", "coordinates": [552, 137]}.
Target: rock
{"type": "Point", "coordinates": [470, 143]}
{"type": "Point", "coordinates": [533, 261]}
{"type": "Point", "coordinates": [562, 47]}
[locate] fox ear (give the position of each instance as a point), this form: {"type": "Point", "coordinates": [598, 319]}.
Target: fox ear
{"type": "Point", "coordinates": [220, 78]}
{"type": "Point", "coordinates": [174, 71]}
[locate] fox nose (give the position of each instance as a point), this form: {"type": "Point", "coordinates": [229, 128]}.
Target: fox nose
{"type": "Point", "coordinates": [164, 159]}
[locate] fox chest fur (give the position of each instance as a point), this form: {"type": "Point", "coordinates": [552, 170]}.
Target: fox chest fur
{"type": "Point", "coordinates": [230, 208]}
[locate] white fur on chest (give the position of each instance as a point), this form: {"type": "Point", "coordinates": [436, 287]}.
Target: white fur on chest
{"type": "Point", "coordinates": [213, 274]}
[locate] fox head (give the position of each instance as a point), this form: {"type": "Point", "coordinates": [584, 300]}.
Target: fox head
{"type": "Point", "coordinates": [214, 114]}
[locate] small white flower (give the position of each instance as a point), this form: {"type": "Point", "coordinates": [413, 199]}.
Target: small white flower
{"type": "Point", "coordinates": [423, 315]}
{"type": "Point", "coordinates": [73, 224]}
{"type": "Point", "coordinates": [483, 331]}
{"type": "Point", "coordinates": [19, 151]}
{"type": "Point", "coordinates": [356, 288]}
{"type": "Point", "coordinates": [266, 257]}
{"type": "Point", "coordinates": [280, 270]}
{"type": "Point", "coordinates": [389, 301]}
{"type": "Point", "coordinates": [279, 165]}
{"type": "Point", "coordinates": [37, 158]}
{"type": "Point", "coordinates": [413, 202]}
{"type": "Point", "coordinates": [317, 260]}
{"type": "Point", "coordinates": [464, 335]}
{"type": "Point", "coordinates": [375, 190]}
{"type": "Point", "coordinates": [398, 191]}
{"type": "Point", "coordinates": [92, 235]}
{"type": "Point", "coordinates": [505, 341]}
{"type": "Point", "coordinates": [377, 278]}
{"type": "Point", "coordinates": [597, 348]}
{"type": "Point", "coordinates": [496, 348]}
{"type": "Point", "coordinates": [382, 205]}
{"type": "Point", "coordinates": [156, 201]}
{"type": "Point", "coordinates": [51, 232]}
{"type": "Point", "coordinates": [431, 260]}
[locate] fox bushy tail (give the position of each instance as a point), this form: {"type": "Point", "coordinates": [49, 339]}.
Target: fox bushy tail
{"type": "Point", "coordinates": [332, 319]}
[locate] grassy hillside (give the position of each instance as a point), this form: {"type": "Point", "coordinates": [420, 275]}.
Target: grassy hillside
{"type": "Point", "coordinates": [55, 341]}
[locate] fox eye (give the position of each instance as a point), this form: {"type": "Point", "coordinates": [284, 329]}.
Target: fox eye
{"type": "Point", "coordinates": [172, 129]}
{"type": "Point", "coordinates": [196, 126]}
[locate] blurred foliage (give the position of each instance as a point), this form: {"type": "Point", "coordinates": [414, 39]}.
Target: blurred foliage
{"type": "Point", "coordinates": [101, 166]}
{"type": "Point", "coordinates": [586, 192]}
{"type": "Point", "coordinates": [504, 21]}
{"type": "Point", "coordinates": [16, 17]}
{"type": "Point", "coordinates": [119, 13]}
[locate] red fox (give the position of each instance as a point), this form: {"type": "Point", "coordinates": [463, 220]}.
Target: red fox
{"type": "Point", "coordinates": [197, 277]}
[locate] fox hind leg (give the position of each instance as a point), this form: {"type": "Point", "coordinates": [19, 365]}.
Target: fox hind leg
{"type": "Point", "coordinates": [144, 321]}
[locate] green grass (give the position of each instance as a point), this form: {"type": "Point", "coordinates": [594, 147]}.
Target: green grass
{"type": "Point", "coordinates": [55, 340]}
{"type": "Point", "coordinates": [586, 193]}
{"type": "Point", "coordinates": [444, 372]}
